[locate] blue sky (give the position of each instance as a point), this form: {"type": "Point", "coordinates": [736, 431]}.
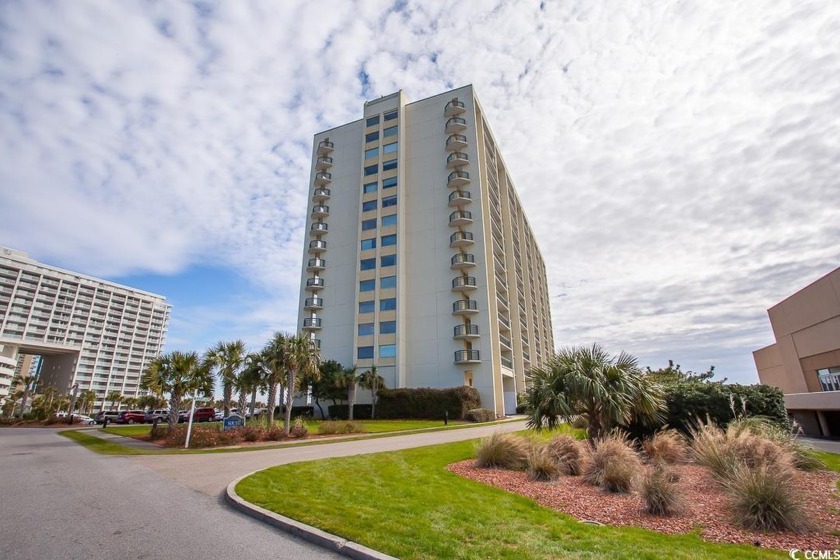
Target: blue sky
{"type": "Point", "coordinates": [677, 160]}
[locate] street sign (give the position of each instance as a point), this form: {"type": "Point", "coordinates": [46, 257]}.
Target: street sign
{"type": "Point", "coordinates": [233, 421]}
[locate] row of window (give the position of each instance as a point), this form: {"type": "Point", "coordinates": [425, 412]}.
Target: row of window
{"type": "Point", "coordinates": [370, 264]}
{"type": "Point", "coordinates": [385, 327]}
{"type": "Point", "coordinates": [388, 183]}
{"type": "Point", "coordinates": [387, 240]}
{"type": "Point", "coordinates": [389, 220]}
{"type": "Point", "coordinates": [385, 351]}
{"type": "Point", "coordinates": [386, 166]}
{"type": "Point", "coordinates": [386, 202]}
{"type": "Point", "coordinates": [389, 116]}
{"type": "Point", "coordinates": [387, 133]}
{"type": "Point", "coordinates": [384, 283]}
{"type": "Point", "coordinates": [386, 149]}
{"type": "Point", "coordinates": [387, 304]}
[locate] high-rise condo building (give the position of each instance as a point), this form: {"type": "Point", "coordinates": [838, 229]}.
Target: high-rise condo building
{"type": "Point", "coordinates": [418, 257]}
{"type": "Point", "coordinates": [94, 333]}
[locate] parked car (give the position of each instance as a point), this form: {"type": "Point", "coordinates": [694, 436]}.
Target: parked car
{"type": "Point", "coordinates": [111, 415]}
{"type": "Point", "coordinates": [201, 414]}
{"type": "Point", "coordinates": [161, 414]}
{"type": "Point", "coordinates": [130, 417]}
{"type": "Point", "coordinates": [82, 419]}
{"type": "Point", "coordinates": [220, 415]}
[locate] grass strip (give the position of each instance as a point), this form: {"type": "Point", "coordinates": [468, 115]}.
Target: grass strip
{"type": "Point", "coordinates": [99, 445]}
{"type": "Point", "coordinates": [407, 505]}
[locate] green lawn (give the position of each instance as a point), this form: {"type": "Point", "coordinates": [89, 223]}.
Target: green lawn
{"type": "Point", "coordinates": [405, 504]}
{"type": "Point", "coordinates": [99, 445]}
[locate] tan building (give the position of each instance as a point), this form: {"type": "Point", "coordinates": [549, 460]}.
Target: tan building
{"type": "Point", "coordinates": [419, 258]}
{"type": "Point", "coordinates": [805, 360]}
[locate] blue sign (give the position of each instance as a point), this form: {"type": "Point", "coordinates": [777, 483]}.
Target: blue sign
{"type": "Point", "coordinates": [233, 421]}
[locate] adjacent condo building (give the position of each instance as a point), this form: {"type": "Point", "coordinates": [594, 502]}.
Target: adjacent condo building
{"type": "Point", "coordinates": [418, 257]}
{"type": "Point", "coordinates": [95, 334]}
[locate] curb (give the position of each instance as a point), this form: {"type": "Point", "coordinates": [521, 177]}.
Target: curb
{"type": "Point", "coordinates": [301, 530]}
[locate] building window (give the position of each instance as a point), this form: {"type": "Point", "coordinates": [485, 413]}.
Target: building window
{"type": "Point", "coordinates": [371, 170]}
{"type": "Point", "coordinates": [387, 304]}
{"type": "Point", "coordinates": [389, 182]}
{"type": "Point", "coordinates": [389, 201]}
{"type": "Point", "coordinates": [387, 327]}
{"type": "Point", "coordinates": [391, 115]}
{"type": "Point", "coordinates": [389, 165]}
{"type": "Point", "coordinates": [367, 285]}
{"type": "Point", "coordinates": [368, 224]}
{"type": "Point", "coordinates": [389, 240]}
{"type": "Point", "coordinates": [367, 264]}
{"type": "Point", "coordinates": [388, 282]}
{"type": "Point", "coordinates": [388, 260]}
{"type": "Point", "coordinates": [368, 244]}
{"type": "Point", "coordinates": [389, 220]}
{"type": "Point", "coordinates": [392, 131]}
{"type": "Point", "coordinates": [389, 148]}
{"type": "Point", "coordinates": [372, 121]}
{"type": "Point", "coordinates": [371, 153]}
{"type": "Point", "coordinates": [364, 352]}
{"type": "Point", "coordinates": [365, 329]}
{"type": "Point", "coordinates": [369, 205]}
{"type": "Point", "coordinates": [372, 136]}
{"type": "Point", "coordinates": [369, 188]}
{"type": "Point", "coordinates": [366, 306]}
{"type": "Point", "coordinates": [388, 351]}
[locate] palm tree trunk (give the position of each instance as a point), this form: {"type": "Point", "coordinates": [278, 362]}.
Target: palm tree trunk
{"type": "Point", "coordinates": [290, 383]}
{"type": "Point", "coordinates": [373, 399]}
{"type": "Point", "coordinates": [243, 401]}
{"type": "Point", "coordinates": [351, 398]}
{"type": "Point", "coordinates": [272, 398]}
{"type": "Point", "coordinates": [253, 402]}
{"type": "Point", "coordinates": [174, 406]}
{"type": "Point", "coordinates": [227, 391]}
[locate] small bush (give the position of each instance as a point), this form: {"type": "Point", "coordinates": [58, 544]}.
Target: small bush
{"type": "Point", "coordinates": [522, 408]}
{"type": "Point", "coordinates": [541, 465]}
{"type": "Point", "coordinates": [710, 449]}
{"type": "Point", "coordinates": [764, 499]}
{"type": "Point", "coordinates": [274, 433]}
{"type": "Point", "coordinates": [659, 493]}
{"type": "Point", "coordinates": [252, 433]}
{"type": "Point", "coordinates": [667, 446]}
{"type": "Point", "coordinates": [298, 429]}
{"type": "Point", "coordinates": [580, 422]}
{"type": "Point", "coordinates": [613, 464]}
{"type": "Point", "coordinates": [480, 415]}
{"type": "Point", "coordinates": [566, 453]}
{"type": "Point", "coordinates": [330, 427]}
{"type": "Point", "coordinates": [159, 432]}
{"type": "Point", "coordinates": [502, 450]}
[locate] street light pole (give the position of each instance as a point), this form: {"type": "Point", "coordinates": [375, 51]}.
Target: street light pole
{"type": "Point", "coordinates": [189, 426]}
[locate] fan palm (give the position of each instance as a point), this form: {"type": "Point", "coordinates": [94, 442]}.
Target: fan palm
{"type": "Point", "coordinates": [301, 358]}
{"type": "Point", "coordinates": [370, 379]}
{"type": "Point", "coordinates": [347, 379]}
{"type": "Point", "coordinates": [274, 369]}
{"type": "Point", "coordinates": [115, 397]}
{"type": "Point", "coordinates": [229, 358]}
{"type": "Point", "coordinates": [250, 380]}
{"type": "Point", "coordinates": [178, 374]}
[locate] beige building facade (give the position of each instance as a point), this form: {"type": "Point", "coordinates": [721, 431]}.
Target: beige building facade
{"type": "Point", "coordinates": [419, 258]}
{"type": "Point", "coordinates": [804, 362]}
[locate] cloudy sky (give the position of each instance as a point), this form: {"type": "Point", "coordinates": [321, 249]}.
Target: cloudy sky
{"type": "Point", "coordinates": [678, 161]}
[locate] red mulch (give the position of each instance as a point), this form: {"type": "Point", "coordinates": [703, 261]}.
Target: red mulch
{"type": "Point", "coordinates": [706, 505]}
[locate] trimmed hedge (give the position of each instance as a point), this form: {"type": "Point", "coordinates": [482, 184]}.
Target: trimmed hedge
{"type": "Point", "coordinates": [302, 411]}
{"type": "Point", "coordinates": [342, 412]}
{"type": "Point", "coordinates": [480, 415]}
{"type": "Point", "coordinates": [427, 403]}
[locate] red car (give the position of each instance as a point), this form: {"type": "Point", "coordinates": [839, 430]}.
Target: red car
{"type": "Point", "coordinates": [131, 417]}
{"type": "Point", "coordinates": [201, 414]}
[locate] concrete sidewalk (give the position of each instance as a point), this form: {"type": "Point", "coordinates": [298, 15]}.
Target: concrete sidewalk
{"type": "Point", "coordinates": [830, 445]}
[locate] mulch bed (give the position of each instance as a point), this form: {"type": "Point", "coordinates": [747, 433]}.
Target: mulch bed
{"type": "Point", "coordinates": [706, 508]}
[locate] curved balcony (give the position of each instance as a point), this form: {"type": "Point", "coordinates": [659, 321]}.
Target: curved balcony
{"type": "Point", "coordinates": [315, 265]}
{"type": "Point", "coordinates": [459, 198]}
{"type": "Point", "coordinates": [320, 195]}
{"type": "Point", "coordinates": [315, 284]}
{"type": "Point", "coordinates": [456, 143]}
{"type": "Point", "coordinates": [463, 283]}
{"type": "Point", "coordinates": [311, 303]}
{"type": "Point", "coordinates": [318, 228]}
{"type": "Point", "coordinates": [461, 239]}
{"type": "Point", "coordinates": [312, 324]}
{"type": "Point", "coordinates": [316, 246]}
{"type": "Point", "coordinates": [458, 179]}
{"type": "Point", "coordinates": [466, 332]}
{"type": "Point", "coordinates": [461, 261]}
{"type": "Point", "coordinates": [323, 178]}
{"type": "Point", "coordinates": [464, 307]}
{"type": "Point", "coordinates": [453, 108]}
{"type": "Point", "coordinates": [466, 357]}
{"type": "Point", "coordinates": [323, 163]}
{"type": "Point", "coordinates": [456, 159]}
{"type": "Point", "coordinates": [455, 124]}
{"type": "Point", "coordinates": [325, 147]}
{"type": "Point", "coordinates": [460, 218]}
{"type": "Point", "coordinates": [320, 211]}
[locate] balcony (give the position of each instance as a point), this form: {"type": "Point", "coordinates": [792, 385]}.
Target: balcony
{"type": "Point", "coordinates": [505, 342]}
{"type": "Point", "coordinates": [315, 265]}
{"type": "Point", "coordinates": [318, 228]}
{"type": "Point", "coordinates": [323, 163]}
{"type": "Point", "coordinates": [325, 147]}
{"type": "Point", "coordinates": [464, 307]}
{"type": "Point", "coordinates": [457, 159]}
{"type": "Point", "coordinates": [313, 303]}
{"type": "Point", "coordinates": [829, 381]}
{"type": "Point", "coordinates": [312, 324]}
{"type": "Point", "coordinates": [460, 218]}
{"type": "Point", "coordinates": [459, 198]}
{"type": "Point", "coordinates": [466, 357]}
{"type": "Point", "coordinates": [456, 143]}
{"type": "Point", "coordinates": [323, 178]}
{"type": "Point", "coordinates": [317, 343]}
{"type": "Point", "coordinates": [453, 108]}
{"type": "Point", "coordinates": [320, 195]}
{"type": "Point", "coordinates": [461, 239]}
{"type": "Point", "coordinates": [507, 363]}
{"type": "Point", "coordinates": [455, 124]}
{"type": "Point", "coordinates": [320, 211]}
{"type": "Point", "coordinates": [463, 283]}
{"type": "Point", "coordinates": [316, 246]}
{"type": "Point", "coordinates": [458, 179]}
{"type": "Point", "coordinates": [466, 332]}
{"type": "Point", "coordinates": [314, 284]}
{"type": "Point", "coordinates": [461, 261]}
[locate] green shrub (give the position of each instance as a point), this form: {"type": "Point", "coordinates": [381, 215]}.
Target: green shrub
{"type": "Point", "coordinates": [298, 429]}
{"type": "Point", "coordinates": [764, 499]}
{"type": "Point", "coordinates": [427, 403]}
{"type": "Point", "coordinates": [480, 415]}
{"type": "Point", "coordinates": [566, 453]}
{"type": "Point", "coordinates": [666, 446]}
{"type": "Point", "coordinates": [273, 433]}
{"type": "Point", "coordinates": [659, 493]}
{"type": "Point", "coordinates": [330, 427]}
{"type": "Point", "coordinates": [541, 466]}
{"type": "Point", "coordinates": [613, 464]}
{"type": "Point", "coordinates": [580, 423]}
{"type": "Point", "coordinates": [522, 408]}
{"type": "Point", "coordinates": [502, 450]}
{"type": "Point", "coordinates": [252, 432]}
{"type": "Point", "coordinates": [342, 411]}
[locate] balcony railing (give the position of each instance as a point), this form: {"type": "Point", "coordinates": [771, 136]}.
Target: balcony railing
{"type": "Point", "coordinates": [830, 381]}
{"type": "Point", "coordinates": [455, 124]}
{"type": "Point", "coordinates": [454, 107]}
{"type": "Point", "coordinates": [464, 283]}
{"type": "Point", "coordinates": [461, 238]}
{"type": "Point", "coordinates": [318, 228]}
{"type": "Point", "coordinates": [465, 306]}
{"type": "Point", "coordinates": [466, 331]}
{"type": "Point", "coordinates": [507, 363]}
{"type": "Point", "coordinates": [462, 260]}
{"type": "Point", "coordinates": [316, 264]}
{"type": "Point", "coordinates": [325, 147]}
{"type": "Point", "coordinates": [320, 211]}
{"type": "Point", "coordinates": [323, 163]}
{"type": "Point", "coordinates": [460, 218]}
{"type": "Point", "coordinates": [313, 303]}
{"type": "Point", "coordinates": [317, 245]}
{"type": "Point", "coordinates": [315, 282]}
{"type": "Point", "coordinates": [458, 179]}
{"type": "Point", "coordinates": [459, 198]}
{"type": "Point", "coordinates": [466, 356]}
{"type": "Point", "coordinates": [456, 159]}
{"type": "Point", "coordinates": [456, 143]}
{"type": "Point", "coordinates": [323, 178]}
{"type": "Point", "coordinates": [321, 194]}
{"type": "Point", "coordinates": [312, 323]}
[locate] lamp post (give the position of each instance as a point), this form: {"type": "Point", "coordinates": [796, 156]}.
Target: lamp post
{"type": "Point", "coordinates": [189, 426]}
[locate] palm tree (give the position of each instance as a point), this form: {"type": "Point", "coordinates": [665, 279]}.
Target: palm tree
{"type": "Point", "coordinates": [86, 399]}
{"type": "Point", "coordinates": [609, 391]}
{"type": "Point", "coordinates": [229, 358]}
{"type": "Point", "coordinates": [115, 397]}
{"type": "Point", "coordinates": [347, 380]}
{"type": "Point", "coordinates": [130, 402]}
{"type": "Point", "coordinates": [250, 380]}
{"type": "Point", "coordinates": [28, 382]}
{"type": "Point", "coordinates": [301, 357]}
{"type": "Point", "coordinates": [274, 368]}
{"type": "Point", "coordinates": [370, 379]}
{"type": "Point", "coordinates": [179, 374]}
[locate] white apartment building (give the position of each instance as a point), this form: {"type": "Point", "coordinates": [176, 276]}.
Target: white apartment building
{"type": "Point", "coordinates": [91, 332]}
{"type": "Point", "coordinates": [418, 257]}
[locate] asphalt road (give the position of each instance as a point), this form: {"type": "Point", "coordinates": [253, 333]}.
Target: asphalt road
{"type": "Point", "coordinates": [60, 501]}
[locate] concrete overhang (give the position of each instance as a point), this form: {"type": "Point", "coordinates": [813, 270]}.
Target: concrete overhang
{"type": "Point", "coordinates": [826, 400]}
{"type": "Point", "coordinates": [40, 348]}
